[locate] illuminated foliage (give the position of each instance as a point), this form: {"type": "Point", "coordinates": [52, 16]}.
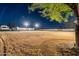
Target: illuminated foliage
{"type": "Point", "coordinates": [53, 11]}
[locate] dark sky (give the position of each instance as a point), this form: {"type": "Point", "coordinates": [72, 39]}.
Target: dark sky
{"type": "Point", "coordinates": [18, 14]}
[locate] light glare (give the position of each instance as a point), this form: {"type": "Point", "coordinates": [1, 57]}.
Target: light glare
{"type": "Point", "coordinates": [37, 25]}
{"type": "Point", "coordinates": [26, 24]}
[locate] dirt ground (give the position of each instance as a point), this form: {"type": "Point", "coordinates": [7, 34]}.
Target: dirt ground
{"type": "Point", "coordinates": [35, 43]}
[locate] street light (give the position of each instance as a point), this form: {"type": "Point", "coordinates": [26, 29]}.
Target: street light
{"type": "Point", "coordinates": [37, 25]}
{"type": "Point", "coordinates": [26, 24]}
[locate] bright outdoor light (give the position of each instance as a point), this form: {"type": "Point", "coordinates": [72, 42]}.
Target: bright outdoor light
{"type": "Point", "coordinates": [37, 25]}
{"type": "Point", "coordinates": [26, 24]}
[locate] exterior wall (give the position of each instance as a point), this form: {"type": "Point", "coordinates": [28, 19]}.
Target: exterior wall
{"type": "Point", "coordinates": [24, 29]}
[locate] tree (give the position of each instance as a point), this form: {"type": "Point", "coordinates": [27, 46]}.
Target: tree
{"type": "Point", "coordinates": [53, 11]}
{"type": "Point", "coordinates": [77, 26]}
{"type": "Point", "coordinates": [76, 10]}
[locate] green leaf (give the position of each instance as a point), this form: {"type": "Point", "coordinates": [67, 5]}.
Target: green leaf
{"type": "Point", "coordinates": [53, 11]}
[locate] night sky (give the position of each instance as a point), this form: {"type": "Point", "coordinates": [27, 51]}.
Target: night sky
{"type": "Point", "coordinates": [18, 14]}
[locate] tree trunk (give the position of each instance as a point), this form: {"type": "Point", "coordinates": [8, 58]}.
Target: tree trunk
{"type": "Point", "coordinates": [77, 27]}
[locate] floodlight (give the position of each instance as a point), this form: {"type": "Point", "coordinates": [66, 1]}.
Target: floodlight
{"type": "Point", "coordinates": [26, 24]}
{"type": "Point", "coordinates": [37, 25]}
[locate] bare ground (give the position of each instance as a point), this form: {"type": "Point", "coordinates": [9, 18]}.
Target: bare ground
{"type": "Point", "coordinates": [35, 43]}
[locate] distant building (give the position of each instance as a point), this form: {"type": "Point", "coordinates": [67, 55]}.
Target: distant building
{"type": "Point", "coordinates": [4, 27]}
{"type": "Point", "coordinates": [7, 28]}
{"type": "Point", "coordinates": [25, 29]}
